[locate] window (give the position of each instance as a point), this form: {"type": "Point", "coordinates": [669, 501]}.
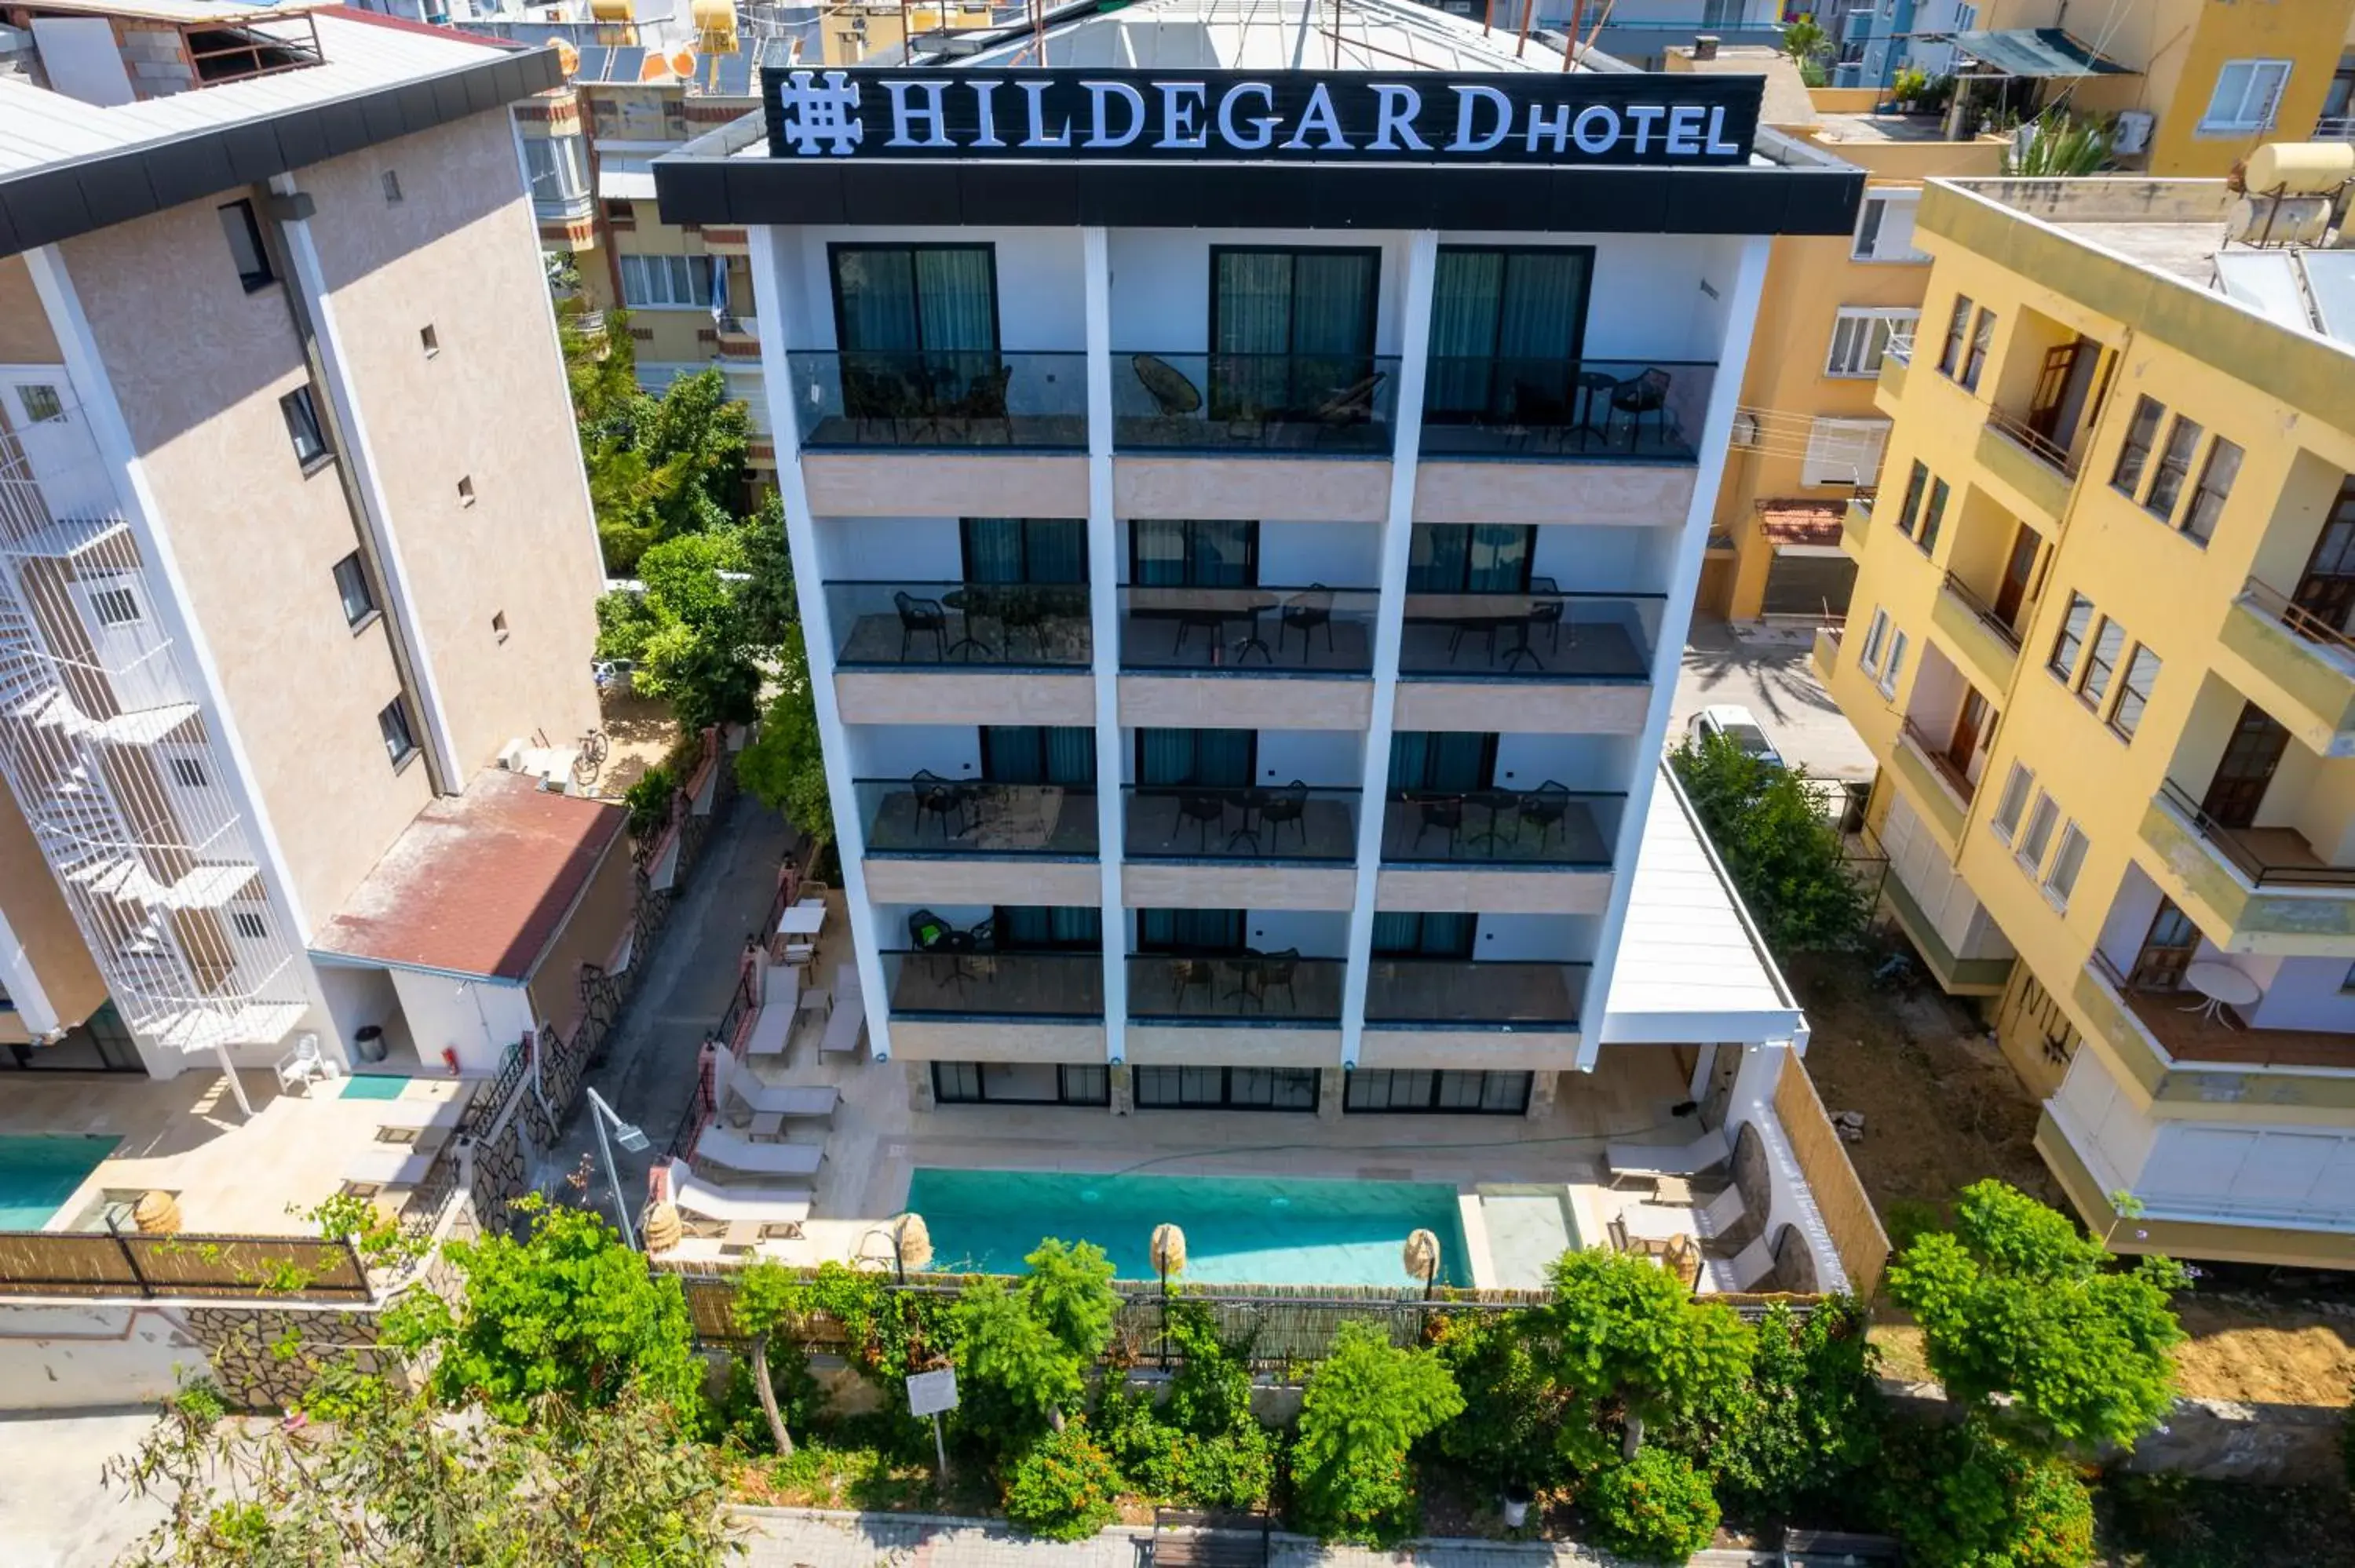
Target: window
{"type": "Point", "coordinates": [2061, 880]}
{"type": "Point", "coordinates": [41, 403]}
{"type": "Point", "coordinates": [1861, 337]}
{"type": "Point", "coordinates": [1884, 226]}
{"type": "Point", "coordinates": [1932, 516]}
{"type": "Point", "coordinates": [352, 587]}
{"type": "Point", "coordinates": [1464, 1093]}
{"type": "Point", "coordinates": [2216, 477]}
{"type": "Point", "coordinates": [400, 744]}
{"type": "Point", "coordinates": [302, 426]}
{"type": "Point", "coordinates": [665, 283]}
{"type": "Point", "coordinates": [2109, 641]}
{"type": "Point", "coordinates": [1234, 1088]}
{"type": "Point", "coordinates": [2174, 468]}
{"type": "Point", "coordinates": [1982, 339]}
{"type": "Point", "coordinates": [2014, 800]}
{"type": "Point", "coordinates": [114, 607]}
{"type": "Point", "coordinates": [466, 490]}
{"type": "Point", "coordinates": [2134, 692]}
{"type": "Point", "coordinates": [1875, 635]}
{"type": "Point", "coordinates": [552, 166]}
{"type": "Point", "coordinates": [249, 924]}
{"type": "Point", "coordinates": [189, 772]}
{"type": "Point", "coordinates": [428, 340]}
{"type": "Point", "coordinates": [1915, 484]}
{"type": "Point", "coordinates": [1895, 667]}
{"type": "Point", "coordinates": [1958, 326]}
{"type": "Point", "coordinates": [2142, 430]}
{"type": "Point", "coordinates": [391, 188]}
{"type": "Point", "coordinates": [2038, 836]}
{"type": "Point", "coordinates": [1844, 451]}
{"type": "Point", "coordinates": [1503, 319]}
{"type": "Point", "coordinates": [245, 247]}
{"type": "Point", "coordinates": [904, 301]}
{"type": "Point", "coordinates": [2247, 94]}
{"type": "Point", "coordinates": [2072, 639]}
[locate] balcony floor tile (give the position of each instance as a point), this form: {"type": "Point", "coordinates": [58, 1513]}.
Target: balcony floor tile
{"type": "Point", "coordinates": [1042, 818]}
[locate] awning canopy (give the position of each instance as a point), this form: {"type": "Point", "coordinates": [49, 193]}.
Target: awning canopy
{"type": "Point", "coordinates": [2033, 52]}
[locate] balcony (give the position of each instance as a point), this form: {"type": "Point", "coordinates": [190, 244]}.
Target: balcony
{"type": "Point", "coordinates": [940, 400]}
{"type": "Point", "coordinates": [1855, 523]}
{"type": "Point", "coordinates": [1825, 656]}
{"type": "Point", "coordinates": [1275, 822]}
{"type": "Point", "coordinates": [2256, 884]}
{"type": "Point", "coordinates": [1552, 411]}
{"type": "Point", "coordinates": [1941, 793]}
{"type": "Point", "coordinates": [1538, 662]}
{"type": "Point", "coordinates": [1549, 827]}
{"type": "Point", "coordinates": [2297, 665]}
{"type": "Point", "coordinates": [2178, 1028]}
{"type": "Point", "coordinates": [2038, 470]}
{"type": "Point", "coordinates": [1984, 639]}
{"type": "Point", "coordinates": [1239, 404]}
{"type": "Point", "coordinates": [1311, 630]}
{"type": "Point", "coordinates": [1457, 994]}
{"type": "Point", "coordinates": [740, 337]}
{"type": "Point", "coordinates": [1896, 360]}
{"type": "Point", "coordinates": [1014, 987]}
{"type": "Point", "coordinates": [930, 816]}
{"type": "Point", "coordinates": [1235, 988]}
{"type": "Point", "coordinates": [959, 626]}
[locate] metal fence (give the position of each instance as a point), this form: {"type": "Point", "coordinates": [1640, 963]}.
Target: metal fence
{"type": "Point", "coordinates": [113, 1263]}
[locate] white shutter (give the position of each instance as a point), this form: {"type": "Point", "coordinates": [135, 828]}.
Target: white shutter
{"type": "Point", "coordinates": [1844, 451]}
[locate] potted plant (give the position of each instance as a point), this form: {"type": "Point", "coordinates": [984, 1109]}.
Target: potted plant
{"type": "Point", "coordinates": [1908, 87]}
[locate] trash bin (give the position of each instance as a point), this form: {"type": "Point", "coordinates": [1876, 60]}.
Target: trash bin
{"type": "Point", "coordinates": [368, 1042]}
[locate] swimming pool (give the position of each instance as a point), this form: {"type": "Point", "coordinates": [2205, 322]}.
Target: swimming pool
{"type": "Point", "coordinates": [1258, 1229]}
{"type": "Point", "coordinates": [39, 1173]}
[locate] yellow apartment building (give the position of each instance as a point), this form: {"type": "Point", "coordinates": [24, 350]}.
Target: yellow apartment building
{"type": "Point", "coordinates": [2100, 645]}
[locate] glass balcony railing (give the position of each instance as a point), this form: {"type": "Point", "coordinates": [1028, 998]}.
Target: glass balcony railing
{"type": "Point", "coordinates": [1580, 410]}
{"type": "Point", "coordinates": [1248, 630]}
{"type": "Point", "coordinates": [1234, 988]}
{"type": "Point", "coordinates": [1328, 405]}
{"type": "Point", "coordinates": [940, 397]}
{"type": "Point", "coordinates": [1270, 822]}
{"type": "Point", "coordinates": [1018, 986]}
{"type": "Point", "coordinates": [954, 625]}
{"type": "Point", "coordinates": [1538, 633]}
{"type": "Point", "coordinates": [1549, 826]}
{"type": "Point", "coordinates": [928, 815]}
{"type": "Point", "coordinates": [1460, 993]}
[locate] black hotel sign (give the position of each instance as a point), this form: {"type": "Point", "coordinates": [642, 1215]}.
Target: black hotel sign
{"type": "Point", "coordinates": [1296, 117]}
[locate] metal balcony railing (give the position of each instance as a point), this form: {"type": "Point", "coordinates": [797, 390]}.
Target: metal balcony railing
{"type": "Point", "coordinates": [1998, 627]}
{"type": "Point", "coordinates": [111, 765]}
{"type": "Point", "coordinates": [1935, 753]}
{"type": "Point", "coordinates": [2297, 617]}
{"type": "Point", "coordinates": [2244, 851]}
{"type": "Point", "coordinates": [2038, 446]}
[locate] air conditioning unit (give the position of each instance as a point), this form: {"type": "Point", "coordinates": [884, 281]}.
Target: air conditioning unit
{"type": "Point", "coordinates": [511, 755]}
{"type": "Point", "coordinates": [2133, 133]}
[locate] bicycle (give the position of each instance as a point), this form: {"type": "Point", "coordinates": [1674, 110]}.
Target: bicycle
{"type": "Point", "coordinates": [589, 756]}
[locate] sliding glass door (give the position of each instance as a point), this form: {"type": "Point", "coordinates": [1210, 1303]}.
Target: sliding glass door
{"type": "Point", "coordinates": [1506, 327]}
{"type": "Point", "coordinates": [1227, 1088]}
{"type": "Point", "coordinates": [1406, 935]}
{"type": "Point", "coordinates": [1190, 930]}
{"type": "Point", "coordinates": [914, 299]}
{"type": "Point", "coordinates": [1445, 762]}
{"type": "Point", "coordinates": [1206, 553]}
{"type": "Point", "coordinates": [1470, 557]}
{"type": "Point", "coordinates": [1040, 753]}
{"type": "Point", "coordinates": [1024, 549]}
{"type": "Point", "coordinates": [1047, 927]}
{"type": "Point", "coordinates": [1289, 328]}
{"type": "Point", "coordinates": [1213, 759]}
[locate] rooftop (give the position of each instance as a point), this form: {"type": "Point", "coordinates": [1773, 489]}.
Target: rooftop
{"type": "Point", "coordinates": [1276, 35]}
{"type": "Point", "coordinates": [479, 883]}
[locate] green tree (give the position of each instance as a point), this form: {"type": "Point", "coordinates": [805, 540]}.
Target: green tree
{"type": "Point", "coordinates": [2031, 1324]}
{"type": "Point", "coordinates": [1654, 1508]}
{"type": "Point", "coordinates": [1364, 1405]}
{"type": "Point", "coordinates": [1806, 1420]}
{"type": "Point", "coordinates": [1015, 1374]}
{"type": "Point", "coordinates": [1069, 1288]}
{"type": "Point", "coordinates": [768, 1299]}
{"type": "Point", "coordinates": [1803, 40]}
{"type": "Point", "coordinates": [1511, 1432]}
{"type": "Point", "coordinates": [1622, 1333]}
{"type": "Point", "coordinates": [784, 767]}
{"type": "Point", "coordinates": [392, 1482]}
{"type": "Point", "coordinates": [2059, 145]}
{"type": "Point", "coordinates": [687, 630]}
{"type": "Point", "coordinates": [658, 467]}
{"type": "Point", "coordinates": [1783, 857]}
{"type": "Point", "coordinates": [567, 1311]}
{"type": "Point", "coordinates": [771, 613]}
{"type": "Point", "coordinates": [1962, 1496]}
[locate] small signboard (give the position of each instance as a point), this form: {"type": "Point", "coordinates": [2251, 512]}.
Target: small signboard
{"type": "Point", "coordinates": [931, 1393]}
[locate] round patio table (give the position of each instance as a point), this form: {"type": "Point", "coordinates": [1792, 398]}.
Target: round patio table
{"type": "Point", "coordinates": [2220, 986]}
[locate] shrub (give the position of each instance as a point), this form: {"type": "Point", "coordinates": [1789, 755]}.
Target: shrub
{"type": "Point", "coordinates": [1807, 1420]}
{"type": "Point", "coordinates": [1364, 1406]}
{"type": "Point", "coordinates": [740, 1417]}
{"type": "Point", "coordinates": [1962, 1496]}
{"type": "Point", "coordinates": [648, 801]}
{"type": "Point", "coordinates": [1510, 1435]}
{"type": "Point", "coordinates": [1202, 1449]}
{"type": "Point", "coordinates": [1622, 1335]}
{"type": "Point", "coordinates": [1655, 1508]}
{"type": "Point", "coordinates": [1064, 1487]}
{"type": "Point", "coordinates": [1786, 860]}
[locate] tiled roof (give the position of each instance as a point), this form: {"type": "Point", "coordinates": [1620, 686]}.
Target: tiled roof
{"type": "Point", "coordinates": [1801, 521]}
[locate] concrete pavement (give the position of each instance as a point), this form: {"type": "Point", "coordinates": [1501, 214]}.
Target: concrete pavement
{"type": "Point", "coordinates": [54, 1511]}
{"type": "Point", "coordinates": [1766, 669]}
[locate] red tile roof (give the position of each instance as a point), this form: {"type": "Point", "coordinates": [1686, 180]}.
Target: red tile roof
{"type": "Point", "coordinates": [1801, 521]}
{"type": "Point", "coordinates": [479, 883]}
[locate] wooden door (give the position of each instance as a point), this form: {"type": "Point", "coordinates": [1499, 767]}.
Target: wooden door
{"type": "Point", "coordinates": [2167, 950]}
{"type": "Point", "coordinates": [1969, 726]}
{"type": "Point", "coordinates": [2052, 388]}
{"type": "Point", "coordinates": [2013, 591]}
{"type": "Point", "coordinates": [2327, 590]}
{"type": "Point", "coordinates": [2246, 769]}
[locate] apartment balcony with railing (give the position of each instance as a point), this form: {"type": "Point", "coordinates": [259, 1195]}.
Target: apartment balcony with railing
{"type": "Point", "coordinates": [1981, 635]}
{"type": "Point", "coordinates": [1324, 404]}
{"type": "Point", "coordinates": [1564, 410]}
{"type": "Point", "coordinates": [1273, 823]}
{"type": "Point", "coordinates": [1248, 630]}
{"type": "Point", "coordinates": [952, 399]}
{"type": "Point", "coordinates": [954, 626]}
{"type": "Point", "coordinates": [1942, 743]}
{"type": "Point", "coordinates": [2043, 411]}
{"type": "Point", "coordinates": [1406, 993]}
{"type": "Point", "coordinates": [2183, 1031]}
{"type": "Point", "coordinates": [1551, 827]}
{"type": "Point", "coordinates": [2295, 650]}
{"type": "Point", "coordinates": [1284, 989]}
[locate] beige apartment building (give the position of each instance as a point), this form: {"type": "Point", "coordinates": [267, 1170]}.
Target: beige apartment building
{"type": "Point", "coordinates": [296, 558]}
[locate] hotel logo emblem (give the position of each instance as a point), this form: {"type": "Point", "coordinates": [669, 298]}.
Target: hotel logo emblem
{"type": "Point", "coordinates": [814, 114]}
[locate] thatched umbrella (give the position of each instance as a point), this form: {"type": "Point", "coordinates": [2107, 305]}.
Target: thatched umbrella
{"type": "Point", "coordinates": [158, 1214]}
{"type": "Point", "coordinates": [1421, 1259]}
{"type": "Point", "coordinates": [911, 1244]}
{"type": "Point", "coordinates": [1169, 1252]}
{"type": "Point", "coordinates": [664, 1229]}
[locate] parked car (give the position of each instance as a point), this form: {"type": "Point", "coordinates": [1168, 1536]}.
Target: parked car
{"type": "Point", "coordinates": [1738, 724]}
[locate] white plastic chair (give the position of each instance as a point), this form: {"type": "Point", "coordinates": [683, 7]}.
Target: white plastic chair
{"type": "Point", "coordinates": [303, 1064]}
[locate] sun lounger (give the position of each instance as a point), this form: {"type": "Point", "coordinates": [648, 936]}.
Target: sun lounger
{"type": "Point", "coordinates": [733, 1206]}
{"type": "Point", "coordinates": [1701, 1221]}
{"type": "Point", "coordinates": [423, 1115]}
{"type": "Point", "coordinates": [775, 1026]}
{"type": "Point", "coordinates": [388, 1165]}
{"type": "Point", "coordinates": [732, 1077]}
{"type": "Point", "coordinates": [725, 1146]}
{"type": "Point", "coordinates": [1641, 1160]}
{"type": "Point", "coordinates": [1740, 1272]}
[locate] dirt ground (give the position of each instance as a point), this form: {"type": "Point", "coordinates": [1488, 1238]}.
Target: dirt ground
{"type": "Point", "coordinates": [1943, 1109]}
{"type": "Point", "coordinates": [640, 732]}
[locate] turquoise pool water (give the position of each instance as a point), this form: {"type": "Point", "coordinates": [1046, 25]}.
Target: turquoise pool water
{"type": "Point", "coordinates": [1247, 1228]}
{"type": "Point", "coordinates": [39, 1174]}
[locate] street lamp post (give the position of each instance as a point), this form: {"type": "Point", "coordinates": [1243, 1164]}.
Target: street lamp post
{"type": "Point", "coordinates": [630, 1136]}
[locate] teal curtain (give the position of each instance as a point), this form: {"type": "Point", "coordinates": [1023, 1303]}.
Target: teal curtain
{"type": "Point", "coordinates": [1502, 320]}
{"type": "Point", "coordinates": [1213, 759]}
{"type": "Point", "coordinates": [897, 298]}
{"type": "Point", "coordinates": [993, 550]}
{"type": "Point", "coordinates": [1050, 926]}
{"type": "Point", "coordinates": [1190, 930]}
{"type": "Point", "coordinates": [875, 290]}
{"type": "Point", "coordinates": [1426, 936]}
{"type": "Point", "coordinates": [1539, 314]}
{"type": "Point", "coordinates": [1452, 760]}
{"type": "Point", "coordinates": [1463, 331]}
{"type": "Point", "coordinates": [1026, 549]}
{"type": "Point", "coordinates": [1288, 328]}
{"type": "Point", "coordinates": [1469, 557]}
{"type": "Point", "coordinates": [1209, 553]}
{"type": "Point", "coordinates": [953, 295]}
{"type": "Point", "coordinates": [1032, 753]}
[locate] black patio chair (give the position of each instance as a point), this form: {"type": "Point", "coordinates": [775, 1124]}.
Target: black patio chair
{"type": "Point", "coordinates": [1304, 612]}
{"type": "Point", "coordinates": [1173, 397]}
{"type": "Point", "coordinates": [1186, 973]}
{"type": "Point", "coordinates": [922, 617]}
{"type": "Point", "coordinates": [1547, 611]}
{"type": "Point", "coordinates": [1444, 812]}
{"type": "Point", "coordinates": [1640, 394]}
{"type": "Point", "coordinates": [938, 796]}
{"type": "Point", "coordinates": [1289, 804]}
{"type": "Point", "coordinates": [1546, 805]}
{"type": "Point", "coordinates": [1203, 810]}
{"type": "Point", "coordinates": [985, 400]}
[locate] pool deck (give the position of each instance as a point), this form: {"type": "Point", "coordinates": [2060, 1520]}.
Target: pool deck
{"type": "Point", "coordinates": [878, 1140]}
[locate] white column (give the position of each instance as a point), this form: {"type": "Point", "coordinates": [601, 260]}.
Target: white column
{"type": "Point", "coordinates": [359, 458]}
{"type": "Point", "coordinates": [1104, 614]}
{"type": "Point", "coordinates": [818, 635]}
{"type": "Point", "coordinates": [1676, 621]}
{"type": "Point", "coordinates": [1390, 620]}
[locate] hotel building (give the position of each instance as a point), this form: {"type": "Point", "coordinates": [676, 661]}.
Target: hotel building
{"type": "Point", "coordinates": [2100, 644]}
{"type": "Point", "coordinates": [296, 562]}
{"type": "Point", "coordinates": [1244, 594]}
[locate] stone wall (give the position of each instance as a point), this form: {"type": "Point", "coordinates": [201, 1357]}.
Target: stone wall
{"type": "Point", "coordinates": [2207, 1439]}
